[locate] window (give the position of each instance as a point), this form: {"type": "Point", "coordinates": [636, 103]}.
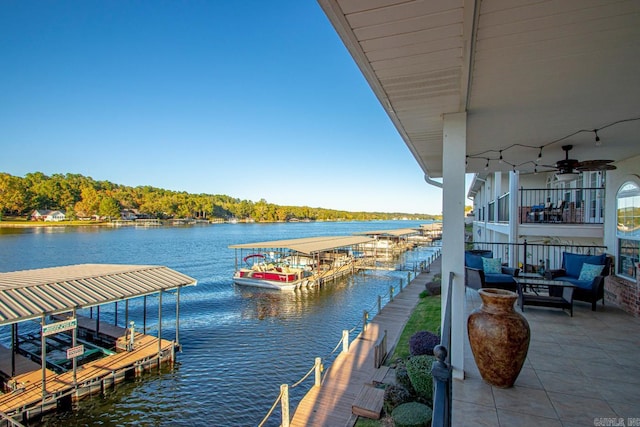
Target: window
{"type": "Point", "coordinates": [628, 230]}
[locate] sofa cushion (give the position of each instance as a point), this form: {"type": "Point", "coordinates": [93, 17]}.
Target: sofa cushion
{"type": "Point", "coordinates": [492, 265]}
{"type": "Point", "coordinates": [475, 261]}
{"type": "Point", "coordinates": [573, 262]}
{"type": "Point", "coordinates": [498, 278]}
{"type": "Point", "coordinates": [590, 271]}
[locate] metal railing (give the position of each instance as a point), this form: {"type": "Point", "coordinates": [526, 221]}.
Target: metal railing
{"type": "Point", "coordinates": [535, 257]}
{"type": "Point", "coordinates": [441, 369]}
{"type": "Point", "coordinates": [561, 205]}
{"type": "Point", "coordinates": [318, 367]}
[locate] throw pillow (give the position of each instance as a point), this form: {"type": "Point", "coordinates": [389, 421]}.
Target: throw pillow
{"type": "Point", "coordinates": [492, 265]}
{"type": "Point", "coordinates": [590, 271]}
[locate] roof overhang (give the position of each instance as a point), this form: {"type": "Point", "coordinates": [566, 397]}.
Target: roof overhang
{"type": "Point", "coordinates": [529, 74]}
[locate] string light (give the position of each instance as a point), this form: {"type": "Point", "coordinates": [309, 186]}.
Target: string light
{"type": "Point", "coordinates": [501, 160]}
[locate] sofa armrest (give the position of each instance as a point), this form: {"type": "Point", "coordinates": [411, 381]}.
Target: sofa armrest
{"type": "Point", "coordinates": [552, 274]}
{"type": "Point", "coordinates": [511, 271]}
{"type": "Point", "coordinates": [473, 278]}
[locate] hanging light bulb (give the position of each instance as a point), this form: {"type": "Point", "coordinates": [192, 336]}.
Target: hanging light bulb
{"type": "Point", "coordinates": [535, 170]}
{"type": "Point", "coordinates": [487, 165]}
{"type": "Point", "coordinates": [500, 161]}
{"type": "Point", "coordinates": [539, 155]}
{"type": "Point", "coordinates": [598, 142]}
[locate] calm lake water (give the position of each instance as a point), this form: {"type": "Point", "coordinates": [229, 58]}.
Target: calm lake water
{"type": "Point", "coordinates": [239, 344]}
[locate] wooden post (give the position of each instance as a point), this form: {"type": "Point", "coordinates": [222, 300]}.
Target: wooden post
{"type": "Point", "coordinates": [379, 303]}
{"type": "Point", "coordinates": [400, 285]}
{"type": "Point", "coordinates": [318, 367]}
{"type": "Point", "coordinates": [364, 320]}
{"type": "Point", "coordinates": [126, 313]}
{"type": "Point", "coordinates": [390, 293]}
{"type": "Point", "coordinates": [115, 316]}
{"type": "Point", "coordinates": [408, 278]}
{"type": "Point", "coordinates": [345, 341]}
{"type": "Point", "coordinates": [284, 402]}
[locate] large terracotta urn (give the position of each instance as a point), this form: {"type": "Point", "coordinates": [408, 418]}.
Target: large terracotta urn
{"type": "Point", "coordinates": [499, 337]}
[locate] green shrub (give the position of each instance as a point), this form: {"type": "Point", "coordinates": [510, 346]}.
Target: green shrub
{"type": "Point", "coordinates": [424, 294]}
{"type": "Point", "coordinates": [412, 414]}
{"type": "Point", "coordinates": [395, 395]}
{"type": "Point", "coordinates": [419, 370]}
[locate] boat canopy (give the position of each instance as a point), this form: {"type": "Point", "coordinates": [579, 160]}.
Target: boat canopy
{"type": "Point", "coordinates": [307, 245]}
{"type": "Point", "coordinates": [29, 294]}
{"type": "Point", "coordinates": [394, 233]}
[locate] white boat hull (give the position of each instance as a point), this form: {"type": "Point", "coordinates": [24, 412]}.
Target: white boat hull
{"type": "Point", "coordinates": [270, 284]}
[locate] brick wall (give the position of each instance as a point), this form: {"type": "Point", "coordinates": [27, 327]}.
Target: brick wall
{"type": "Point", "coordinates": [623, 293]}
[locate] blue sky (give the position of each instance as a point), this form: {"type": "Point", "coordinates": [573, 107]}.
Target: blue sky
{"type": "Point", "coordinates": [253, 99]}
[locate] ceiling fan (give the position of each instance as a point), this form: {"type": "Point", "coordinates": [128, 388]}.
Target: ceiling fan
{"type": "Point", "coordinates": [569, 169]}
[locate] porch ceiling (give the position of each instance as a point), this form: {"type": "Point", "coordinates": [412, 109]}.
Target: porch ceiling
{"type": "Point", "coordinates": [526, 72]}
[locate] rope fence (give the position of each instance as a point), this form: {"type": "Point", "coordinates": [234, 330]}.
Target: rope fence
{"type": "Point", "coordinates": [318, 367]}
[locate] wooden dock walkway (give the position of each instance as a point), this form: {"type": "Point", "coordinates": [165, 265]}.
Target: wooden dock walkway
{"type": "Point", "coordinates": [89, 377]}
{"type": "Point", "coordinates": [331, 403]}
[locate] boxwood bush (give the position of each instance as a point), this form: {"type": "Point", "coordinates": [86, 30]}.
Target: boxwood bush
{"type": "Point", "coordinates": [419, 370]}
{"type": "Point", "coordinates": [412, 414]}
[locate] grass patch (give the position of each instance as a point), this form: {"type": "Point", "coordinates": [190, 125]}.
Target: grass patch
{"type": "Point", "coordinates": [425, 317]}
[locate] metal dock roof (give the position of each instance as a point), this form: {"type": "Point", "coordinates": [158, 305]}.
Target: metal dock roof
{"type": "Point", "coordinates": [29, 294]}
{"type": "Point", "coordinates": [395, 233]}
{"type": "Point", "coordinates": [307, 245]}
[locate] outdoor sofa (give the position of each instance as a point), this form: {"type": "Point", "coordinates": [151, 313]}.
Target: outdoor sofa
{"type": "Point", "coordinates": [484, 271]}
{"type": "Point", "coordinates": [586, 273]}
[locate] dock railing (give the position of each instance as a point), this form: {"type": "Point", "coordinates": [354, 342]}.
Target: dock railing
{"type": "Point", "coordinates": [283, 397]}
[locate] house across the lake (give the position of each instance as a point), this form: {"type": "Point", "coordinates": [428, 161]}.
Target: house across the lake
{"type": "Point", "coordinates": [48, 215]}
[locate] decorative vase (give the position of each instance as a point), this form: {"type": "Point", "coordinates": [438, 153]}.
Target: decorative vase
{"type": "Point", "coordinates": [499, 337]}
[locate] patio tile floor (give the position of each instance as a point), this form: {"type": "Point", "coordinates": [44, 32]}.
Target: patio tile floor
{"type": "Point", "coordinates": [578, 371]}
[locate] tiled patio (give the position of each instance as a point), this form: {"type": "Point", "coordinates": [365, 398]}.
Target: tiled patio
{"type": "Point", "coordinates": [578, 371]}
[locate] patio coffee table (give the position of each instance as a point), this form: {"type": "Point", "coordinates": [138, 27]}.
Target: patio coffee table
{"type": "Point", "coordinates": [536, 291]}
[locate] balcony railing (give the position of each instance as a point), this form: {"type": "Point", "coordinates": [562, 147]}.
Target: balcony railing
{"type": "Point", "coordinates": [562, 206]}
{"type": "Point", "coordinates": [532, 257]}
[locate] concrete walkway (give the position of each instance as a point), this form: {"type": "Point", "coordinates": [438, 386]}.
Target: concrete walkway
{"type": "Point", "coordinates": [330, 403]}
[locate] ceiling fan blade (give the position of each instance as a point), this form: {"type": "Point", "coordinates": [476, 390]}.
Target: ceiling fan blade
{"type": "Point", "coordinates": [596, 167]}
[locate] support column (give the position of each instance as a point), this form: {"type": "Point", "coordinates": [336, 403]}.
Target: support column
{"type": "Point", "coordinates": [454, 148]}
{"type": "Point", "coordinates": [514, 216]}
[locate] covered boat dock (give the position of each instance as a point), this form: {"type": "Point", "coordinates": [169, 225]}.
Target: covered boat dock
{"type": "Point", "coordinates": [62, 355]}
{"type": "Point", "coordinates": [331, 256]}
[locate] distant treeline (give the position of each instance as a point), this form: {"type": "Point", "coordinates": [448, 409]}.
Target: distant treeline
{"type": "Point", "coordinates": [83, 197]}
